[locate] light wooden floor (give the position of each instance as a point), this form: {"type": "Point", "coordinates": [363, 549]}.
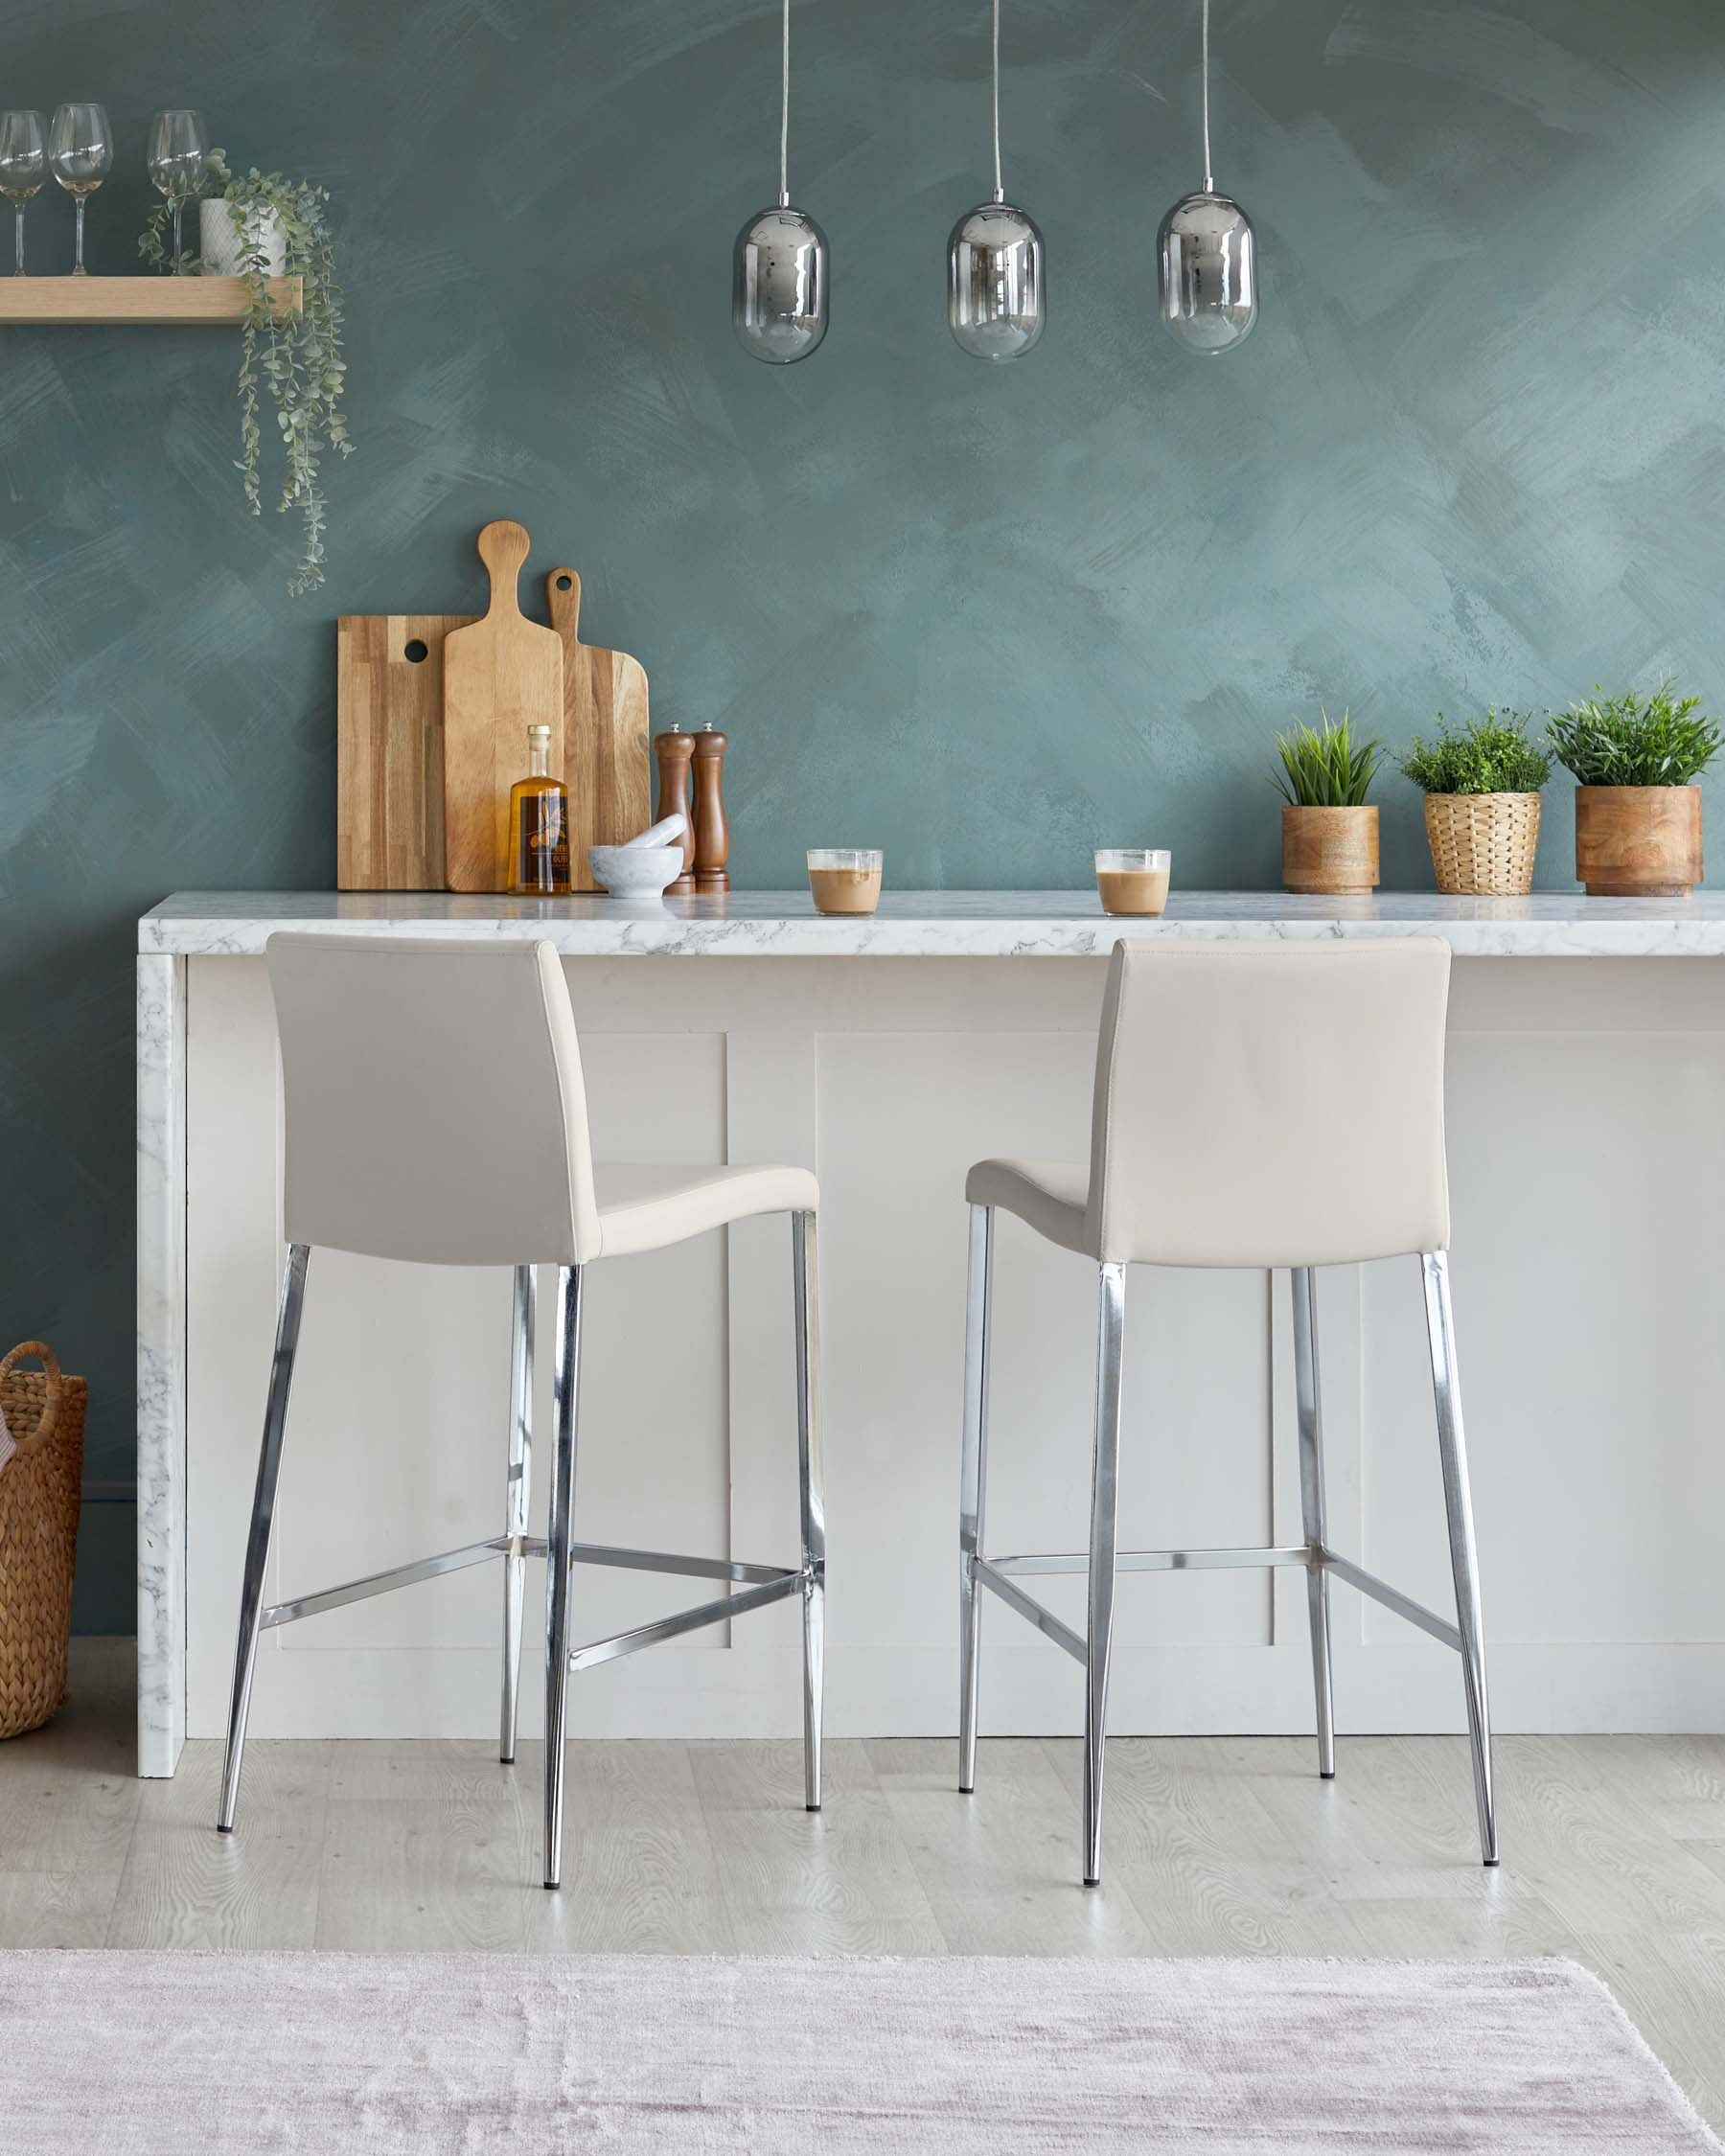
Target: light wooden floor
{"type": "Point", "coordinates": [1614, 1854]}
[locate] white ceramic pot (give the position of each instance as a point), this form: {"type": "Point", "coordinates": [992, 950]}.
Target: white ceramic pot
{"type": "Point", "coordinates": [221, 248]}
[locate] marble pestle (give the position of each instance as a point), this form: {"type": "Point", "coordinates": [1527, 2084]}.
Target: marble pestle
{"type": "Point", "coordinates": [664, 833]}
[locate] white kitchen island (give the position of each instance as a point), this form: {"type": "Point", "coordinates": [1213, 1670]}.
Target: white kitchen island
{"type": "Point", "coordinates": [1588, 1174]}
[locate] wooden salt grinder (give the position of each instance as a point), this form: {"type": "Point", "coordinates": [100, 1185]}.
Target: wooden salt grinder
{"type": "Point", "coordinates": [675, 751]}
{"type": "Point", "coordinates": [712, 835]}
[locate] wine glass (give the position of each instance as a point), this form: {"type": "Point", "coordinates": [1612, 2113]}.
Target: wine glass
{"type": "Point", "coordinates": [177, 150]}
{"type": "Point", "coordinates": [80, 149]}
{"type": "Point", "coordinates": [23, 168]}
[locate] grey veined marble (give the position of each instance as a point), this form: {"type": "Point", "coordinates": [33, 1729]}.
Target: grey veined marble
{"type": "Point", "coordinates": [161, 1170]}
{"type": "Point", "coordinates": [944, 924]}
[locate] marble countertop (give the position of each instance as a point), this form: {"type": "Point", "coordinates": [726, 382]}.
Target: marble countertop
{"type": "Point", "coordinates": [941, 923]}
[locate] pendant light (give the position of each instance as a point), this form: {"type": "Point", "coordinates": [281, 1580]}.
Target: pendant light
{"type": "Point", "coordinates": [780, 270]}
{"type": "Point", "coordinates": [996, 300]}
{"type": "Point", "coordinates": [1208, 256]}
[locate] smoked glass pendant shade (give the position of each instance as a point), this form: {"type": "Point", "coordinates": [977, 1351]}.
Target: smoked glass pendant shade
{"type": "Point", "coordinates": [995, 295]}
{"type": "Point", "coordinates": [779, 286]}
{"type": "Point", "coordinates": [1208, 273]}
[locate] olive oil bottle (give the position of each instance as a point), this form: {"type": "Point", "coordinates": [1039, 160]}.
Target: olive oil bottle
{"type": "Point", "coordinates": [539, 826]}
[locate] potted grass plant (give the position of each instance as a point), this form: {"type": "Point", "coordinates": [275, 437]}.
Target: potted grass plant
{"type": "Point", "coordinates": [1329, 829]}
{"type": "Point", "coordinates": [1638, 810]}
{"type": "Point", "coordinates": [1482, 785]}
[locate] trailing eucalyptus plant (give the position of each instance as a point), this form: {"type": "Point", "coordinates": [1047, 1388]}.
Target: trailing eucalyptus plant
{"type": "Point", "coordinates": [294, 359]}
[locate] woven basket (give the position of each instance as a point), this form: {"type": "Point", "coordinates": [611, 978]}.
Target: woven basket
{"type": "Point", "coordinates": [1483, 844]}
{"type": "Point", "coordinates": [39, 1488]}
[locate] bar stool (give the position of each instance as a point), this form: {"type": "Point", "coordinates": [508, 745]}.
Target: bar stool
{"type": "Point", "coordinates": [435, 1112]}
{"type": "Point", "coordinates": [1209, 1056]}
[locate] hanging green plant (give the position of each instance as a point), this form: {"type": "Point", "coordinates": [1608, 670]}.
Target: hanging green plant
{"type": "Point", "coordinates": [294, 359]}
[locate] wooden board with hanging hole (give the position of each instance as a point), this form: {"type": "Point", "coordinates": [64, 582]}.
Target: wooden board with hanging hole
{"type": "Point", "coordinates": [389, 775]}
{"type": "Point", "coordinates": [607, 764]}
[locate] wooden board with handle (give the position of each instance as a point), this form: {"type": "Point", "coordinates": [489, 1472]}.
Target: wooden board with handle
{"type": "Point", "coordinates": [608, 766]}
{"type": "Point", "coordinates": [389, 777]}
{"type": "Point", "coordinates": [503, 674]}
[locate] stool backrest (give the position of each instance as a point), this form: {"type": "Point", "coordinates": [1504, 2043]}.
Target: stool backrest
{"type": "Point", "coordinates": [1263, 1104]}
{"type": "Point", "coordinates": [433, 1101]}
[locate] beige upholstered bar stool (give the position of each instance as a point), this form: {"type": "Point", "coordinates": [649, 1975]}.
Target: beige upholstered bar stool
{"type": "Point", "coordinates": [1215, 1065]}
{"type": "Point", "coordinates": [435, 1112]}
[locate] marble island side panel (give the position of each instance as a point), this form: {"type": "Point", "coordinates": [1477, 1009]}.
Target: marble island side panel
{"type": "Point", "coordinates": [1605, 1606]}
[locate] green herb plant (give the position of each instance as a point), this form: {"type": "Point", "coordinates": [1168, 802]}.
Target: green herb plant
{"type": "Point", "coordinates": [294, 359]}
{"type": "Point", "coordinates": [1636, 740]}
{"type": "Point", "coordinates": [1324, 766]}
{"type": "Point", "coordinates": [1489, 755]}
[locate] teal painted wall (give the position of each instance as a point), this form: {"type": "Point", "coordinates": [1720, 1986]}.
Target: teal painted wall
{"type": "Point", "coordinates": [1475, 451]}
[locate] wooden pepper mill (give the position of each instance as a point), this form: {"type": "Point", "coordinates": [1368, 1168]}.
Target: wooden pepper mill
{"type": "Point", "coordinates": [674, 753]}
{"type": "Point", "coordinates": [712, 835]}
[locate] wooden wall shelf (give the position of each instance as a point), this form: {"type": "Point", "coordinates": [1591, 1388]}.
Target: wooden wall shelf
{"type": "Point", "coordinates": [138, 299]}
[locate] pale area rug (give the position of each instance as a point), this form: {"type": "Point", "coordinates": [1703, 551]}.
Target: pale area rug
{"type": "Point", "coordinates": [224, 2054]}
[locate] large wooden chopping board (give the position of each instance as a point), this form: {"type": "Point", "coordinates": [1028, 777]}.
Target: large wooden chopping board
{"type": "Point", "coordinates": [503, 674]}
{"type": "Point", "coordinates": [389, 777]}
{"type": "Point", "coordinates": [608, 765]}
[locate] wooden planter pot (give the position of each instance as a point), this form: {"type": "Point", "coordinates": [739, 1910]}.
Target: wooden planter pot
{"type": "Point", "coordinates": [1482, 844]}
{"type": "Point", "coordinates": [1330, 850]}
{"type": "Point", "coordinates": [1638, 842]}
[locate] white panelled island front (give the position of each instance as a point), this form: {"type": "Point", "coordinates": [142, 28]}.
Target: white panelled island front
{"type": "Point", "coordinates": [1586, 1095]}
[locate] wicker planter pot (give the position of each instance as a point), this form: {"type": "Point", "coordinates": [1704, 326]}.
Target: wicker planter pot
{"type": "Point", "coordinates": [1638, 842]}
{"type": "Point", "coordinates": [1482, 844]}
{"type": "Point", "coordinates": [39, 1488]}
{"type": "Point", "coordinates": [1330, 850]}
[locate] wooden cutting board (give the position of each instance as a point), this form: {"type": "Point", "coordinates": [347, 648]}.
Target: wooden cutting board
{"type": "Point", "coordinates": [503, 674]}
{"type": "Point", "coordinates": [389, 777]}
{"type": "Point", "coordinates": [608, 764]}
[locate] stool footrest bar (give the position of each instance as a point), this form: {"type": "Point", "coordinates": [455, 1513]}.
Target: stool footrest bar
{"type": "Point", "coordinates": [1154, 1560]}
{"type": "Point", "coordinates": [382, 1583]}
{"type": "Point", "coordinates": [996, 1572]}
{"type": "Point", "coordinates": [672, 1627]}
{"type": "Point", "coordinates": [1392, 1598]}
{"type": "Point", "coordinates": [663, 1561]}
{"type": "Point", "coordinates": [1044, 1620]}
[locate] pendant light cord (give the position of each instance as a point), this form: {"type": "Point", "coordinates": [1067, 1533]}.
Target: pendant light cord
{"type": "Point", "coordinates": [1000, 192]}
{"type": "Point", "coordinates": [1210, 182]}
{"type": "Point", "coordinates": [785, 111]}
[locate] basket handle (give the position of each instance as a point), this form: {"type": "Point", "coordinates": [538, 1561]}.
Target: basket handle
{"type": "Point", "coordinates": [50, 1399]}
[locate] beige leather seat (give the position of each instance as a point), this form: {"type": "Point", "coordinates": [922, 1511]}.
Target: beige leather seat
{"type": "Point", "coordinates": [435, 1112]}
{"type": "Point", "coordinates": [1256, 1104]}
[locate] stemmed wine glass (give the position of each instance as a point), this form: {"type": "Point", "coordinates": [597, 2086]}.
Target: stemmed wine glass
{"type": "Point", "coordinates": [80, 149]}
{"type": "Point", "coordinates": [23, 168]}
{"type": "Point", "coordinates": [177, 150]}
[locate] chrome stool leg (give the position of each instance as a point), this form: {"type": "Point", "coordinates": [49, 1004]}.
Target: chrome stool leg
{"type": "Point", "coordinates": [1310, 1410]}
{"type": "Point", "coordinates": [520, 1483]}
{"type": "Point", "coordinates": [1458, 1502]}
{"type": "Point", "coordinates": [557, 1559]}
{"type": "Point", "coordinates": [972, 1482]}
{"type": "Point", "coordinates": [805, 1273]}
{"type": "Point", "coordinates": [1111, 1329]}
{"type": "Point", "coordinates": [257, 1548]}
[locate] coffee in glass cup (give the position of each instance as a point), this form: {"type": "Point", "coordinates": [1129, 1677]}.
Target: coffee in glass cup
{"type": "Point", "coordinates": [845, 879]}
{"type": "Point", "coordinates": [1133, 879]}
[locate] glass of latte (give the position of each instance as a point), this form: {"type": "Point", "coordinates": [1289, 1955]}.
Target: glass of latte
{"type": "Point", "coordinates": [1133, 879]}
{"type": "Point", "coordinates": [845, 879]}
